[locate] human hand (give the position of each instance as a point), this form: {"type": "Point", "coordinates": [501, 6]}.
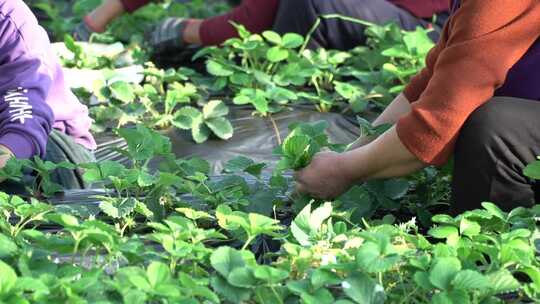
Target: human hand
{"type": "Point", "coordinates": [168, 35]}
{"type": "Point", "coordinates": [325, 177]}
{"type": "Point", "coordinates": [5, 155]}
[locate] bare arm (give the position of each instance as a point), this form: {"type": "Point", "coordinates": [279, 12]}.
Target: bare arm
{"type": "Point", "coordinates": [330, 174]}
{"type": "Point", "coordinates": [399, 107]}
{"type": "Point", "coordinates": [104, 14]}
{"type": "Point", "coordinates": [385, 157]}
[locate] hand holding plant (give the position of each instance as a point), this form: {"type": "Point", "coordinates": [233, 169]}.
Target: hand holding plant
{"type": "Point", "coordinates": [325, 177]}
{"type": "Point", "coordinates": [5, 155]}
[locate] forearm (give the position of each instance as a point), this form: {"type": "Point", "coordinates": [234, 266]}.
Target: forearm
{"type": "Point", "coordinates": [256, 15]}
{"type": "Point", "coordinates": [399, 107]}
{"type": "Point", "coordinates": [191, 33]}
{"type": "Point", "coordinates": [385, 157]}
{"type": "Point", "coordinates": [104, 14]}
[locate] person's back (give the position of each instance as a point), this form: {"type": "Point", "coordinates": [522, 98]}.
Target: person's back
{"type": "Point", "coordinates": [32, 86]}
{"type": "Point", "coordinates": [35, 99]}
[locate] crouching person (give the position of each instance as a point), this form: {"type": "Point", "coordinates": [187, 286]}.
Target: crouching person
{"type": "Point", "coordinates": [39, 115]}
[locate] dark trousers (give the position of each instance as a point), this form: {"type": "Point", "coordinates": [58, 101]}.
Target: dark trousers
{"type": "Point", "coordinates": [299, 16]}
{"type": "Point", "coordinates": [60, 148]}
{"type": "Point", "coordinates": [495, 144]}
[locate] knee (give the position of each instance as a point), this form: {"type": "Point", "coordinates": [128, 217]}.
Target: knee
{"type": "Point", "coordinates": [482, 128]}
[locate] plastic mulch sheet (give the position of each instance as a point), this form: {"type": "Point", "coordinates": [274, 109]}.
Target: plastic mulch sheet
{"type": "Point", "coordinates": [254, 137]}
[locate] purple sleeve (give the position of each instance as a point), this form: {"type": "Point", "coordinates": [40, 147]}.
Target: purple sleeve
{"type": "Point", "coordinates": [132, 5]}
{"type": "Point", "coordinates": [25, 81]}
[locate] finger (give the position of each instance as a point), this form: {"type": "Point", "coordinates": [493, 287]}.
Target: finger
{"type": "Point", "coordinates": [301, 188]}
{"type": "Point", "coordinates": [299, 176]}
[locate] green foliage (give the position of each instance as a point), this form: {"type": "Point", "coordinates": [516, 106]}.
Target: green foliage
{"type": "Point", "coordinates": [177, 235]}
{"type": "Point", "coordinates": [533, 170]}
{"type": "Point", "coordinates": [302, 143]}
{"type": "Point", "coordinates": [212, 119]}
{"type": "Point", "coordinates": [322, 259]}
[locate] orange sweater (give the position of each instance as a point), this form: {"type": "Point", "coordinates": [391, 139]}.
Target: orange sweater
{"type": "Point", "coordinates": [479, 45]}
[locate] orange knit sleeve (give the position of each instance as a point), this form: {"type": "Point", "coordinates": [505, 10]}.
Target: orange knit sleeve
{"type": "Point", "coordinates": [485, 39]}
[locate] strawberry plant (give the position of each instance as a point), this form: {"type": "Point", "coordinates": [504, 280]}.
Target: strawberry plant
{"type": "Point", "coordinates": [212, 119]}
{"type": "Point", "coordinates": [82, 58]}
{"type": "Point", "coordinates": [165, 231]}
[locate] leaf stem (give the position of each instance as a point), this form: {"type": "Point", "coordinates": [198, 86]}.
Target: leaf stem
{"type": "Point", "coordinates": [249, 240]}
{"type": "Point", "coordinates": [276, 129]}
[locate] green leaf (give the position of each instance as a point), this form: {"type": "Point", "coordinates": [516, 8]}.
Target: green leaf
{"type": "Point", "coordinates": [363, 290]}
{"type": "Point", "coordinates": [225, 259]}
{"type": "Point", "coordinates": [469, 228]}
{"type": "Point", "coordinates": [319, 215]}
{"type": "Point", "coordinates": [194, 214]}
{"type": "Point", "coordinates": [443, 272]}
{"type": "Point", "coordinates": [144, 143]}
{"type": "Point", "coordinates": [443, 219]}
{"type": "Point", "coordinates": [122, 91]}
{"type": "Point", "coordinates": [299, 149]}
{"type": "Point", "coordinates": [421, 278]}
{"type": "Point", "coordinates": [270, 274]}
{"type": "Point", "coordinates": [230, 292]}
{"type": "Point", "coordinates": [142, 209]}
{"type": "Point", "coordinates": [95, 172]}
{"type": "Point", "coordinates": [418, 42]}
{"type": "Point", "coordinates": [8, 248]}
{"type": "Point", "coordinates": [244, 164]}
{"type": "Point", "coordinates": [322, 277]}
{"type": "Point", "coordinates": [65, 220]}
{"type": "Point", "coordinates": [494, 210]}
{"type": "Point", "coordinates": [71, 45]}
{"type": "Point", "coordinates": [371, 258]}
{"type": "Point", "coordinates": [443, 232]}
{"type": "Point", "coordinates": [260, 224]}
{"type": "Point", "coordinates": [242, 277]}
{"type": "Point", "coordinates": [221, 127]}
{"type": "Point", "coordinates": [397, 51]}
{"type": "Point", "coordinates": [320, 296]}
{"type": "Point", "coordinates": [292, 40]}
{"type": "Point", "coordinates": [217, 69]}
{"type": "Point", "coordinates": [192, 286]}
{"type": "Point", "coordinates": [261, 104]}
{"type": "Point", "coordinates": [451, 297]}
{"type": "Point", "coordinates": [241, 79]}
{"type": "Point", "coordinates": [158, 273]}
{"type": "Point", "coordinates": [215, 108]}
{"type": "Point", "coordinates": [470, 279]}
{"type": "Point", "coordinates": [533, 170]}
{"type": "Point", "coordinates": [346, 90]}
{"type": "Point", "coordinates": [273, 37]}
{"type": "Point", "coordinates": [8, 278]}
{"type": "Point", "coordinates": [186, 117]}
{"type": "Point", "coordinates": [200, 132]}
{"type": "Point", "coordinates": [502, 281]}
{"type": "Point", "coordinates": [358, 104]}
{"type": "Point", "coordinates": [307, 223]}
{"type": "Point", "coordinates": [300, 227]}
{"type": "Point", "coordinates": [281, 95]}
{"type": "Point", "coordinates": [118, 208]}
{"type": "Point", "coordinates": [277, 54]}
{"type": "Point", "coordinates": [242, 100]}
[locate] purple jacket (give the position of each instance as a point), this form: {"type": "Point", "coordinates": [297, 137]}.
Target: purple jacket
{"type": "Point", "coordinates": [523, 79]}
{"type": "Point", "coordinates": [33, 95]}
